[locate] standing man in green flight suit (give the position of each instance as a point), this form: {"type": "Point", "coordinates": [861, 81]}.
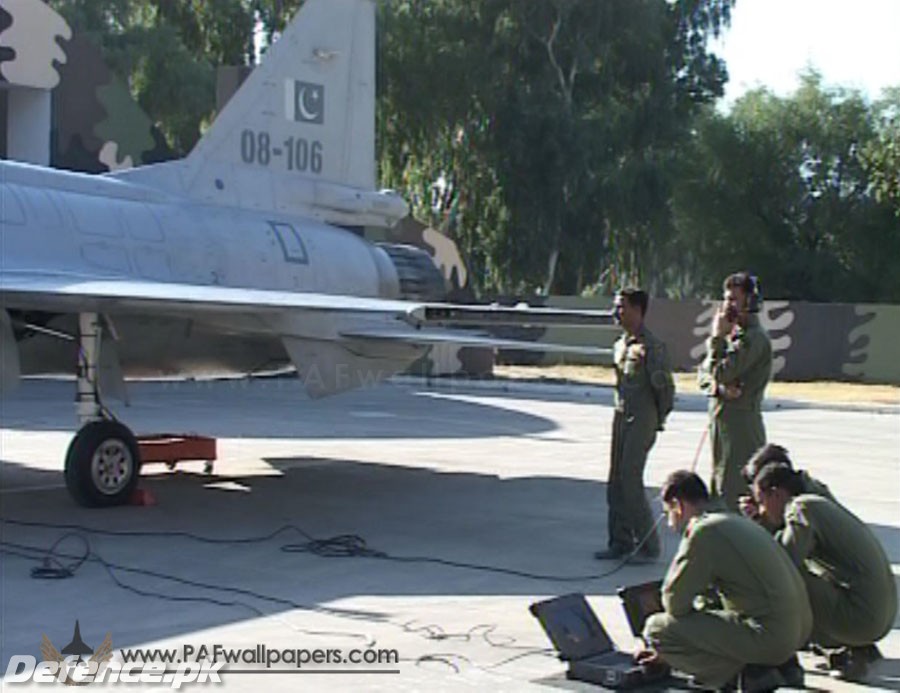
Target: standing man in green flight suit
{"type": "Point", "coordinates": [734, 374]}
{"type": "Point", "coordinates": [645, 394]}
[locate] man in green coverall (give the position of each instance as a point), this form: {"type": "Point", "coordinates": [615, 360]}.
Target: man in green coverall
{"type": "Point", "coordinates": [851, 588]}
{"type": "Point", "coordinates": [768, 454]}
{"type": "Point", "coordinates": [734, 374]}
{"type": "Point", "coordinates": [764, 615]}
{"type": "Point", "coordinates": [645, 394]}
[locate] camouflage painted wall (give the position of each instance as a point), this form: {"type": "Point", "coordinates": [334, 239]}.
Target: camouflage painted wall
{"type": "Point", "coordinates": [30, 52]}
{"type": "Point", "coordinates": [97, 126]}
{"type": "Point", "coordinates": [811, 341]}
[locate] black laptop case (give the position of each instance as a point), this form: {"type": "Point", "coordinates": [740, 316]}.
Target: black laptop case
{"type": "Point", "coordinates": [581, 640]}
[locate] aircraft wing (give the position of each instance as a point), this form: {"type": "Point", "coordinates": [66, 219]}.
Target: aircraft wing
{"type": "Point", "coordinates": [336, 342]}
{"type": "Point", "coordinates": [77, 293]}
{"type": "Point", "coordinates": [432, 336]}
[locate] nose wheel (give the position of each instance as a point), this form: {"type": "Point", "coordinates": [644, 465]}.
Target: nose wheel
{"type": "Point", "coordinates": [102, 464]}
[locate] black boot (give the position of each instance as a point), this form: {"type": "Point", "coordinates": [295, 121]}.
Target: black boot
{"type": "Point", "coordinates": [792, 673]}
{"type": "Point", "coordinates": [756, 678]}
{"type": "Point", "coordinates": [852, 663]}
{"type": "Point", "coordinates": [613, 553]}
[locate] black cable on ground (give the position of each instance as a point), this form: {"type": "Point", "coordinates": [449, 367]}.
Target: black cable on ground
{"type": "Point", "coordinates": [91, 556]}
{"type": "Point", "coordinates": [54, 557]}
{"type": "Point", "coordinates": [342, 546]}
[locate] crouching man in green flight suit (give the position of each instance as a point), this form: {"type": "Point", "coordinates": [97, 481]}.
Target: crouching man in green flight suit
{"type": "Point", "coordinates": [645, 394]}
{"type": "Point", "coordinates": [734, 375]}
{"type": "Point", "coordinates": [764, 616]}
{"type": "Point", "coordinates": [848, 576]}
{"type": "Point", "coordinates": [771, 453]}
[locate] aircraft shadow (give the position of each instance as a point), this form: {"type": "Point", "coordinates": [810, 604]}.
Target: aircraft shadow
{"type": "Point", "coordinates": [21, 477]}
{"type": "Point", "coordinates": [422, 518]}
{"type": "Point", "coordinates": [243, 409]}
{"type": "Point", "coordinates": [546, 526]}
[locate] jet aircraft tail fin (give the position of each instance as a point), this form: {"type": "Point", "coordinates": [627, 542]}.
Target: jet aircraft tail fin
{"type": "Point", "coordinates": [299, 133]}
{"type": "Point", "coordinates": [308, 108]}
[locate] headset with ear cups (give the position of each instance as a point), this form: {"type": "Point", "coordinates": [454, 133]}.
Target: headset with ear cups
{"type": "Point", "coordinates": [754, 295]}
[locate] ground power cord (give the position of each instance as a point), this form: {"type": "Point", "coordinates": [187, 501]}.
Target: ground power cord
{"type": "Point", "coordinates": [57, 565]}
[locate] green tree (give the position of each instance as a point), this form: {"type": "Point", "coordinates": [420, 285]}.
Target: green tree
{"type": "Point", "coordinates": [168, 50]}
{"type": "Point", "coordinates": [881, 156]}
{"type": "Point", "coordinates": [781, 186]}
{"type": "Point", "coordinates": [541, 135]}
{"type": "Point", "coordinates": [553, 122]}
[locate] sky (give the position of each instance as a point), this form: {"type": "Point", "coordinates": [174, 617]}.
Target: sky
{"type": "Point", "coordinates": [853, 43]}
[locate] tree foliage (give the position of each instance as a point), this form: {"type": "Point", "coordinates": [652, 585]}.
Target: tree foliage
{"type": "Point", "coordinates": [550, 124]}
{"type": "Point", "coordinates": [571, 146]}
{"type": "Point", "coordinates": [881, 157]}
{"type": "Point", "coordinates": [785, 186]}
{"type": "Point", "coordinates": [168, 51]}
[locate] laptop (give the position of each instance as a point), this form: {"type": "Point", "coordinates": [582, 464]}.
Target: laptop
{"type": "Point", "coordinates": [581, 640]}
{"type": "Point", "coordinates": [639, 602]}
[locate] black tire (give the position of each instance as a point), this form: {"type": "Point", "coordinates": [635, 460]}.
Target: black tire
{"type": "Point", "coordinates": [102, 464]}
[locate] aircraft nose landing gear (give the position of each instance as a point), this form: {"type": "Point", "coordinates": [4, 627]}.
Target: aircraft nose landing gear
{"type": "Point", "coordinates": [102, 464]}
{"type": "Point", "coordinates": [103, 460]}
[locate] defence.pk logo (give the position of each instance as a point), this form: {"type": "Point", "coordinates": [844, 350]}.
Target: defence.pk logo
{"type": "Point", "coordinates": [304, 102]}
{"type": "Point", "coordinates": [66, 666]}
{"type": "Point", "coordinates": [69, 666]}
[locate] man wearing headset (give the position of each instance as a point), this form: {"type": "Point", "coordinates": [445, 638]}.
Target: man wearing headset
{"type": "Point", "coordinates": [734, 375]}
{"type": "Point", "coordinates": [769, 454]}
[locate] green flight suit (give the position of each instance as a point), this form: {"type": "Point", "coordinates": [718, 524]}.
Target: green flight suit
{"type": "Point", "coordinates": [736, 431]}
{"type": "Point", "coordinates": [645, 394]}
{"type": "Point", "coordinates": [764, 615]}
{"type": "Point", "coordinates": [810, 485]}
{"type": "Point", "coordinates": [848, 576]}
{"type": "Point", "coordinates": [815, 487]}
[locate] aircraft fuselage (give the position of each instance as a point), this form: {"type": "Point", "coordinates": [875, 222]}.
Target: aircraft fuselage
{"type": "Point", "coordinates": [98, 226]}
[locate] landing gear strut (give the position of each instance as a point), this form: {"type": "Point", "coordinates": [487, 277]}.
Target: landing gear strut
{"type": "Point", "coordinates": [103, 459]}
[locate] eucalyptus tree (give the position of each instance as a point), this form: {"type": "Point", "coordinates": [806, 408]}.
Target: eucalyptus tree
{"type": "Point", "coordinates": [792, 188]}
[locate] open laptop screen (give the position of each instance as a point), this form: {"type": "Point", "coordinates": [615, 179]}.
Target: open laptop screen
{"type": "Point", "coordinates": [639, 602]}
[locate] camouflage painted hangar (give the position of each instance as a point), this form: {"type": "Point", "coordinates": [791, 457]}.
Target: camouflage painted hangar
{"type": "Point", "coordinates": [61, 105]}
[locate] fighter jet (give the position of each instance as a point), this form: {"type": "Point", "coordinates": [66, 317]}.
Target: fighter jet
{"type": "Point", "coordinates": [244, 254]}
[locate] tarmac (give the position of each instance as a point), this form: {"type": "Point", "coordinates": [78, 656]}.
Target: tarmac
{"type": "Point", "coordinates": [442, 482]}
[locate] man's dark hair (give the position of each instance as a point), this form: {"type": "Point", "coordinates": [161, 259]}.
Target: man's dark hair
{"type": "Point", "coordinates": [767, 454]}
{"type": "Point", "coordinates": [742, 280]}
{"type": "Point", "coordinates": [780, 475]}
{"type": "Point", "coordinates": [684, 486]}
{"type": "Point", "coordinates": [636, 297]}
